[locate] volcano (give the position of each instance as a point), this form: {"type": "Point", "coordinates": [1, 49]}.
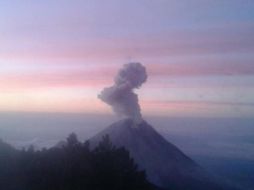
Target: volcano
{"type": "Point", "coordinates": [166, 166]}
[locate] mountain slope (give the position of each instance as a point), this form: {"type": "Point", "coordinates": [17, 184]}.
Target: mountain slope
{"type": "Point", "coordinates": [165, 164]}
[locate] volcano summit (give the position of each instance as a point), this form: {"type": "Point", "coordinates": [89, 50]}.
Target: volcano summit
{"type": "Point", "coordinates": [166, 166]}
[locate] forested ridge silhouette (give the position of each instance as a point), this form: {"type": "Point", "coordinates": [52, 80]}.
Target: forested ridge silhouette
{"type": "Point", "coordinates": [72, 165]}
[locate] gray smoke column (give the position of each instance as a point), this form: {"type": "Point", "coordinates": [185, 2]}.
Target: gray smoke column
{"type": "Point", "coordinates": [120, 96]}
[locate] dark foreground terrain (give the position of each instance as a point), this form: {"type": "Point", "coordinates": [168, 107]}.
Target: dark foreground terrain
{"type": "Point", "coordinates": [70, 166]}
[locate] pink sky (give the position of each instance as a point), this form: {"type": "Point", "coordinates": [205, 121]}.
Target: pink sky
{"type": "Point", "coordinates": [57, 56]}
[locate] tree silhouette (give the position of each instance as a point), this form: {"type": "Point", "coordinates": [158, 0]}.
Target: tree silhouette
{"type": "Point", "coordinates": [73, 166]}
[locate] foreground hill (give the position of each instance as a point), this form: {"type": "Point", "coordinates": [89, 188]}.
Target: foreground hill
{"type": "Point", "coordinates": [73, 166]}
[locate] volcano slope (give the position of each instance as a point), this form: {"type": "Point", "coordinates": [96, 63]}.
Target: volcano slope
{"type": "Point", "coordinates": [166, 166]}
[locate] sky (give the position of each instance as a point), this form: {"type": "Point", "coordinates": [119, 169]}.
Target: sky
{"type": "Point", "coordinates": [56, 56]}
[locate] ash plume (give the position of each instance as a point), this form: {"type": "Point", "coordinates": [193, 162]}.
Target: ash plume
{"type": "Point", "coordinates": [120, 96]}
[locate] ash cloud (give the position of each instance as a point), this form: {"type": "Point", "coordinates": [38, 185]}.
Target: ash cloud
{"type": "Point", "coordinates": [121, 96]}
